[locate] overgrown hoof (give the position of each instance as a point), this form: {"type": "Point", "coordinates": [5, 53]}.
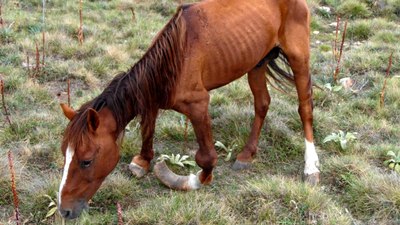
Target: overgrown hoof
{"type": "Point", "coordinates": [312, 179]}
{"type": "Point", "coordinates": [174, 181]}
{"type": "Point", "coordinates": [137, 170]}
{"type": "Point", "coordinates": [238, 165]}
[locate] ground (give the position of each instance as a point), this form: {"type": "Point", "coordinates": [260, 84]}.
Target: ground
{"type": "Point", "coordinates": [356, 186]}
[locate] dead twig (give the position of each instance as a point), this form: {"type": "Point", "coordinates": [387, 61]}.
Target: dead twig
{"type": "Point", "coordinates": [133, 14]}
{"type": "Point", "coordinates": [14, 189]}
{"type": "Point", "coordinates": [37, 66]}
{"type": "Point", "coordinates": [28, 65]}
{"type": "Point", "coordinates": [382, 97]}
{"type": "Point", "coordinates": [7, 115]}
{"type": "Point", "coordinates": [336, 37]}
{"type": "Point", "coordinates": [119, 211]}
{"type": "Point", "coordinates": [335, 75]}
{"type": "Point", "coordinates": [69, 92]}
{"type": "Point", "coordinates": [43, 47]}
{"type": "Point", "coordinates": [80, 30]}
{"type": "Point", "coordinates": [1, 18]}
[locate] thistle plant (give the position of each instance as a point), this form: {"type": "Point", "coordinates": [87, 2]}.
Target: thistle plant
{"type": "Point", "coordinates": [178, 160]}
{"type": "Point", "coordinates": [394, 162]}
{"type": "Point", "coordinates": [52, 206]}
{"type": "Point", "coordinates": [52, 209]}
{"type": "Point", "coordinates": [342, 137]}
{"type": "Point", "coordinates": [228, 150]}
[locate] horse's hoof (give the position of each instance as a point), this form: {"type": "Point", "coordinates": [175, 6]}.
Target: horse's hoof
{"type": "Point", "coordinates": [312, 179]}
{"type": "Point", "coordinates": [174, 181]}
{"type": "Point", "coordinates": [137, 170]}
{"type": "Point", "coordinates": [238, 165]}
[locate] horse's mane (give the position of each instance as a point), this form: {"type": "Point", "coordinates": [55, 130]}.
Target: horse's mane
{"type": "Point", "coordinates": [146, 87]}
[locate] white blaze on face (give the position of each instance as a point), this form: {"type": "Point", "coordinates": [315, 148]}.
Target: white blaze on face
{"type": "Point", "coordinates": [69, 153]}
{"type": "Point", "coordinates": [311, 159]}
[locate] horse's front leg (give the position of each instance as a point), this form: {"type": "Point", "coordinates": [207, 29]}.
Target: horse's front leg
{"type": "Point", "coordinates": [140, 164]}
{"type": "Point", "coordinates": [206, 156]}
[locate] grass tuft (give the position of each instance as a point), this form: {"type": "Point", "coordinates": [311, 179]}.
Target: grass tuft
{"type": "Point", "coordinates": [353, 9]}
{"type": "Point", "coordinates": [182, 208]}
{"type": "Point", "coordinates": [360, 30]}
{"type": "Point", "coordinates": [284, 201]}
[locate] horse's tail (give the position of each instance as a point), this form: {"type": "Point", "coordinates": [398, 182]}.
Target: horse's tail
{"type": "Point", "coordinates": [278, 68]}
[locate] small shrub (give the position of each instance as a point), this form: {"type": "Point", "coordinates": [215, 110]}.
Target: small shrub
{"type": "Point", "coordinates": [332, 3]}
{"type": "Point", "coordinates": [165, 8]}
{"type": "Point", "coordinates": [341, 137]}
{"type": "Point", "coordinates": [325, 48]}
{"type": "Point", "coordinates": [394, 6]}
{"type": "Point", "coordinates": [360, 31]}
{"type": "Point", "coordinates": [7, 35]}
{"type": "Point", "coordinates": [353, 9]}
{"type": "Point", "coordinates": [394, 161]}
{"type": "Point", "coordinates": [324, 12]}
{"type": "Point", "coordinates": [385, 36]}
{"type": "Point", "coordinates": [228, 150]}
{"type": "Point", "coordinates": [178, 160]}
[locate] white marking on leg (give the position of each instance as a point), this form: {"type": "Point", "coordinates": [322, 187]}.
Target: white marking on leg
{"type": "Point", "coordinates": [311, 159]}
{"type": "Point", "coordinates": [194, 181]}
{"type": "Point", "coordinates": [69, 153]}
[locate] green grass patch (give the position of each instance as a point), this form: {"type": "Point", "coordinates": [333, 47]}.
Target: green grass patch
{"type": "Point", "coordinates": [353, 9]}
{"type": "Point", "coordinates": [182, 208]}
{"type": "Point", "coordinates": [360, 30]}
{"type": "Point", "coordinates": [284, 201]}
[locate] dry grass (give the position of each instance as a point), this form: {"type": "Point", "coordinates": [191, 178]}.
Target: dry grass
{"type": "Point", "coordinates": [356, 187]}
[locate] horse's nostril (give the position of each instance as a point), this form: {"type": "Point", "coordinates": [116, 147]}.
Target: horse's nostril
{"type": "Point", "coordinates": [65, 213]}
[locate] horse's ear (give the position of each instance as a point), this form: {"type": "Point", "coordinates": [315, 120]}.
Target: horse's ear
{"type": "Point", "coordinates": [68, 111]}
{"type": "Point", "coordinates": [93, 120]}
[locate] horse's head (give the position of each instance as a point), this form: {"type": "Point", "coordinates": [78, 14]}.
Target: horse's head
{"type": "Point", "coordinates": [91, 153]}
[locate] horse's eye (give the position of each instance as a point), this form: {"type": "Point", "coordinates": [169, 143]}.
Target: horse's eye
{"type": "Point", "coordinates": [86, 163]}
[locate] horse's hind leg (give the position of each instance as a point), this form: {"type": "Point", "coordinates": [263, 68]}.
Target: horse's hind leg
{"type": "Point", "coordinates": [258, 86]}
{"type": "Point", "coordinates": [296, 46]}
{"type": "Point", "coordinates": [140, 164]}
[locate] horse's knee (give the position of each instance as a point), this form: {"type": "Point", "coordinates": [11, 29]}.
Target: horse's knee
{"type": "Point", "coordinates": [206, 160]}
{"type": "Point", "coordinates": [262, 109]}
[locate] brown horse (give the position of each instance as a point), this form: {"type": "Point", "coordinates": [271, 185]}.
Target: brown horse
{"type": "Point", "coordinates": [204, 46]}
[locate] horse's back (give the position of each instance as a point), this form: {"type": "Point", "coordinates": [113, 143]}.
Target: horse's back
{"type": "Point", "coordinates": [227, 38]}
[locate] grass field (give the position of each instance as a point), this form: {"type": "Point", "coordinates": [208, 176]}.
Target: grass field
{"type": "Point", "coordinates": [356, 186]}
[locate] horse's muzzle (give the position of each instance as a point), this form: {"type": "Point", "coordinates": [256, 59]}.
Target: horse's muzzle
{"type": "Point", "coordinates": [73, 212]}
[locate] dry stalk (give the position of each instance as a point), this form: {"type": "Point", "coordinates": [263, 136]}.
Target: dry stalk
{"type": "Point", "coordinates": [119, 211]}
{"type": "Point", "coordinates": [335, 75]}
{"type": "Point", "coordinates": [80, 30]}
{"type": "Point", "coordinates": [1, 19]}
{"type": "Point", "coordinates": [336, 37]}
{"type": "Point", "coordinates": [382, 98]}
{"type": "Point", "coordinates": [14, 189]}
{"type": "Point", "coordinates": [133, 14]}
{"type": "Point", "coordinates": [37, 56]}
{"type": "Point", "coordinates": [43, 47]}
{"type": "Point", "coordinates": [69, 92]}
{"type": "Point", "coordinates": [7, 115]}
{"type": "Point", "coordinates": [29, 66]}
